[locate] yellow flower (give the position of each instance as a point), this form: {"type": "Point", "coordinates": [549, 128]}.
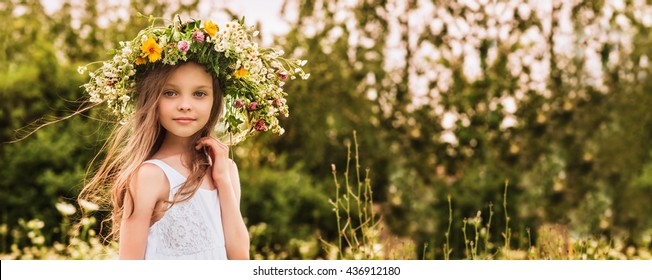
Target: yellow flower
{"type": "Point", "coordinates": [140, 60]}
{"type": "Point", "coordinates": [151, 49]}
{"type": "Point", "coordinates": [240, 73]}
{"type": "Point", "coordinates": [211, 28]}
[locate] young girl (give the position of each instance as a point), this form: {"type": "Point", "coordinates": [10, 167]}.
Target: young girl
{"type": "Point", "coordinates": [179, 109]}
{"type": "Point", "coordinates": [175, 194]}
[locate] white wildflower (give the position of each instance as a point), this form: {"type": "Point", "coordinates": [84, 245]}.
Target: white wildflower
{"type": "Point", "coordinates": [89, 206]}
{"type": "Point", "coordinates": [35, 224]}
{"type": "Point", "coordinates": [65, 209]}
{"type": "Point", "coordinates": [39, 240]}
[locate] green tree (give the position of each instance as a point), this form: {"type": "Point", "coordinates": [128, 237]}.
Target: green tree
{"type": "Point", "coordinates": [457, 98]}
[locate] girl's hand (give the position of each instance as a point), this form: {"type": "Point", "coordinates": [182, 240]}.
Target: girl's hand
{"type": "Point", "coordinates": [218, 154]}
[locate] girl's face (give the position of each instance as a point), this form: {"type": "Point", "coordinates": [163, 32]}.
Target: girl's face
{"type": "Point", "coordinates": [186, 101]}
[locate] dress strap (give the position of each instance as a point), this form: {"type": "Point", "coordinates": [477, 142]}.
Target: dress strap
{"type": "Point", "coordinates": [174, 177]}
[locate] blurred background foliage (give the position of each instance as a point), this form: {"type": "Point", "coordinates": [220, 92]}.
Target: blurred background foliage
{"type": "Point", "coordinates": [447, 98]}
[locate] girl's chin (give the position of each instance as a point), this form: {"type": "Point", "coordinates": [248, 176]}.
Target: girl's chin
{"type": "Point", "coordinates": [185, 134]}
{"type": "Point", "coordinates": [182, 133]}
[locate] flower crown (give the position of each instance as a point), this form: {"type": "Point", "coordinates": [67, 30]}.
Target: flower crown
{"type": "Point", "coordinates": [252, 78]}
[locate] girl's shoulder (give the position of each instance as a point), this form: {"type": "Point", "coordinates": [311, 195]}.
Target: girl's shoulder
{"type": "Point", "coordinates": [150, 171]}
{"type": "Point", "coordinates": [150, 179]}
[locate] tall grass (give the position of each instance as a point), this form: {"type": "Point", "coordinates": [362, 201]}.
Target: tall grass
{"type": "Point", "coordinates": [359, 238]}
{"type": "Point", "coordinates": [357, 223]}
{"type": "Point", "coordinates": [361, 233]}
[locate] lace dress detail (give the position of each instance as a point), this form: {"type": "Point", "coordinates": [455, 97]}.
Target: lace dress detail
{"type": "Point", "coordinates": [190, 229]}
{"type": "Point", "coordinates": [183, 232]}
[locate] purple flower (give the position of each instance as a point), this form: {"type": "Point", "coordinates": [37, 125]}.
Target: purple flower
{"type": "Point", "coordinates": [252, 106]}
{"type": "Point", "coordinates": [198, 36]}
{"type": "Point", "coordinates": [183, 45]}
{"type": "Point", "coordinates": [238, 104]}
{"type": "Point", "coordinates": [260, 125]}
{"type": "Point", "coordinates": [283, 75]}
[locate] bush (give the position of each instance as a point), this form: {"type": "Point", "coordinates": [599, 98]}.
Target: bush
{"type": "Point", "coordinates": [284, 209]}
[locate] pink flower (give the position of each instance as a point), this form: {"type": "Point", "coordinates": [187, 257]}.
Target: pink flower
{"type": "Point", "coordinates": [198, 36]}
{"type": "Point", "coordinates": [283, 75]}
{"type": "Point", "coordinates": [238, 104]}
{"type": "Point", "coordinates": [260, 125]}
{"type": "Point", "coordinates": [252, 106]}
{"type": "Point", "coordinates": [183, 45]}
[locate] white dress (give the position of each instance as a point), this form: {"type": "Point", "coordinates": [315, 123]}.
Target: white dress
{"type": "Point", "coordinates": [190, 230]}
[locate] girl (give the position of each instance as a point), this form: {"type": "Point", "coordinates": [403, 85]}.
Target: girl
{"type": "Point", "coordinates": [179, 106]}
{"type": "Point", "coordinates": [170, 200]}
{"type": "Point", "coordinates": [174, 192]}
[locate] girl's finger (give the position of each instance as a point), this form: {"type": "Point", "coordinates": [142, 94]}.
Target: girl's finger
{"type": "Point", "coordinates": [214, 146]}
{"type": "Point", "coordinates": [202, 142]}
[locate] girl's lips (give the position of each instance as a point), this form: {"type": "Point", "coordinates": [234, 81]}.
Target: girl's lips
{"type": "Point", "coordinates": [184, 120]}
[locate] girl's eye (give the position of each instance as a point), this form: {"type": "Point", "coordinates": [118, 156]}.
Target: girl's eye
{"type": "Point", "coordinates": [200, 93]}
{"type": "Point", "coordinates": [169, 93]}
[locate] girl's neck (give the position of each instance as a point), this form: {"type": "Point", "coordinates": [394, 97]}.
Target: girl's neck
{"type": "Point", "coordinates": [174, 146]}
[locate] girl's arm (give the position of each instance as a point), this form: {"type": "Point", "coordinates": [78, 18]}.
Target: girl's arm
{"type": "Point", "coordinates": [225, 177]}
{"type": "Point", "coordinates": [235, 180]}
{"type": "Point", "coordinates": [148, 187]}
{"type": "Point", "coordinates": [235, 232]}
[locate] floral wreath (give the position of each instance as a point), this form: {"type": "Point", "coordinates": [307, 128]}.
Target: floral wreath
{"type": "Point", "coordinates": [252, 78]}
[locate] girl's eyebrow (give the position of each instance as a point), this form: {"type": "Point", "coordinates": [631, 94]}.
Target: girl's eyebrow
{"type": "Point", "coordinates": [196, 88]}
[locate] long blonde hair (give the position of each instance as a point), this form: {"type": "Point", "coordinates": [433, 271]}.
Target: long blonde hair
{"type": "Point", "coordinates": [129, 145]}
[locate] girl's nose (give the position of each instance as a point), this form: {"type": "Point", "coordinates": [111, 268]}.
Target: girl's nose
{"type": "Point", "coordinates": [184, 104]}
